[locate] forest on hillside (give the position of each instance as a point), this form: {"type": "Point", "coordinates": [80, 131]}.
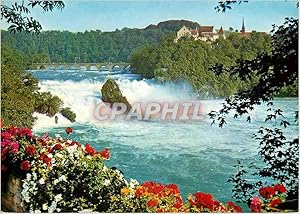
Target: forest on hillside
{"type": "Point", "coordinates": [88, 46]}
{"type": "Point", "coordinates": [194, 62]}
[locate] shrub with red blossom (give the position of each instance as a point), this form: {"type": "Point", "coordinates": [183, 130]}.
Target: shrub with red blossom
{"type": "Point", "coordinates": [76, 177]}
{"type": "Point", "coordinates": [271, 197]}
{"type": "Point", "coordinates": [25, 165]}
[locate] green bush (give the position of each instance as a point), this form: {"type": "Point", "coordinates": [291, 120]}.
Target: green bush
{"type": "Point", "coordinates": [67, 113]}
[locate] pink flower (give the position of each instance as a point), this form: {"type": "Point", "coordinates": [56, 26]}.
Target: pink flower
{"type": "Point", "coordinates": [5, 136]}
{"type": "Point", "coordinates": [13, 131]}
{"type": "Point", "coordinates": [14, 147]}
{"type": "Point", "coordinates": [255, 205]}
{"type": "Point", "coordinates": [25, 132]}
{"type": "Point", "coordinates": [3, 168]}
{"type": "Point", "coordinates": [5, 143]}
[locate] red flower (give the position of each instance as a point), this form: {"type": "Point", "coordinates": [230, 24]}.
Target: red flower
{"type": "Point", "coordinates": [157, 189]}
{"type": "Point", "coordinates": [14, 147]}
{"type": "Point", "coordinates": [30, 150]}
{"type": "Point", "coordinates": [179, 202]}
{"type": "Point", "coordinates": [105, 153]}
{"type": "Point", "coordinates": [56, 147]}
{"type": "Point", "coordinates": [267, 192]}
{"type": "Point", "coordinates": [45, 159]}
{"type": "Point", "coordinates": [69, 130]}
{"type": "Point", "coordinates": [89, 149]}
{"type": "Point", "coordinates": [152, 203]}
{"type": "Point", "coordinates": [138, 192]}
{"type": "Point", "coordinates": [255, 205]}
{"type": "Point", "coordinates": [173, 188]}
{"type": "Point", "coordinates": [275, 202]}
{"type": "Point", "coordinates": [74, 143]}
{"type": "Point", "coordinates": [234, 207]}
{"type": "Point", "coordinates": [25, 165]}
{"type": "Point", "coordinates": [205, 200]}
{"type": "Point", "coordinates": [280, 188]}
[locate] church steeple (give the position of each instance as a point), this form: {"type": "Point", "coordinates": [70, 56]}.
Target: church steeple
{"type": "Point", "coordinates": [243, 27]}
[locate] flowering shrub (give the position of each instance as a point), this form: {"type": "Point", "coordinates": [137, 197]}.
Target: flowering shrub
{"type": "Point", "coordinates": [270, 198]}
{"type": "Point", "coordinates": [203, 202]}
{"type": "Point", "coordinates": [63, 175]}
{"type": "Point", "coordinates": [60, 174]}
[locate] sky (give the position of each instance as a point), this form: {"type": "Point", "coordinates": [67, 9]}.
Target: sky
{"type": "Point", "coordinates": [109, 15]}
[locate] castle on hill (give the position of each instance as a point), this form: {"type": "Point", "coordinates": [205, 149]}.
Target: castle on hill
{"type": "Point", "coordinates": [203, 33]}
{"type": "Point", "coordinates": [207, 33]}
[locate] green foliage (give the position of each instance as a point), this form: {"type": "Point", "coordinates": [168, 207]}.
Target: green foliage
{"type": "Point", "coordinates": [111, 93]}
{"type": "Point", "coordinates": [46, 103]}
{"type": "Point", "coordinates": [67, 113]}
{"type": "Point", "coordinates": [16, 14]}
{"type": "Point", "coordinates": [174, 25]}
{"type": "Point", "coordinates": [90, 46]}
{"type": "Point", "coordinates": [17, 90]}
{"type": "Point", "coordinates": [20, 97]}
{"type": "Point", "coordinates": [191, 60]}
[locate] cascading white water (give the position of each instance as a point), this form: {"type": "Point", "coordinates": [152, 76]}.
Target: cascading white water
{"type": "Point", "coordinates": [82, 96]}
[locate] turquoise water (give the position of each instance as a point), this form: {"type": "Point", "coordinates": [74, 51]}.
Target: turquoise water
{"type": "Point", "coordinates": [194, 155]}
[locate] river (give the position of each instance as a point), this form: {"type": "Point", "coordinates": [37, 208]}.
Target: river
{"type": "Point", "coordinates": [194, 155]}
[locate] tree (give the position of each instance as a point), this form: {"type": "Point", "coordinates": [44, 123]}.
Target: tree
{"type": "Point", "coordinates": [17, 15]}
{"type": "Point", "coordinates": [275, 70]}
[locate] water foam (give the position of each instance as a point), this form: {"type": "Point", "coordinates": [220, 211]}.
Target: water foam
{"type": "Point", "coordinates": [83, 96]}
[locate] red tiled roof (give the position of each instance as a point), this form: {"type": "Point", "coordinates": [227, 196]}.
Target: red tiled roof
{"type": "Point", "coordinates": [206, 29]}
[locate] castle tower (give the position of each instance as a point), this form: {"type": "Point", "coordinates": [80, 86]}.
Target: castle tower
{"type": "Point", "coordinates": [243, 27]}
{"type": "Point", "coordinates": [221, 31]}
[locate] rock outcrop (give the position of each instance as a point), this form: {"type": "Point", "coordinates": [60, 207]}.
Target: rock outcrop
{"type": "Point", "coordinates": [111, 93]}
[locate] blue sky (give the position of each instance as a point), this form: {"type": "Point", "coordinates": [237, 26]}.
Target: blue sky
{"type": "Point", "coordinates": [108, 15]}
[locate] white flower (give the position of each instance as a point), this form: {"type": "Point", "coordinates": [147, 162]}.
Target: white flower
{"type": "Point", "coordinates": [45, 206]}
{"type": "Point", "coordinates": [59, 155]}
{"type": "Point", "coordinates": [106, 182]}
{"type": "Point", "coordinates": [104, 169]}
{"type": "Point", "coordinates": [52, 207]}
{"type": "Point", "coordinates": [71, 149]}
{"type": "Point", "coordinates": [56, 181]}
{"type": "Point", "coordinates": [57, 136]}
{"type": "Point", "coordinates": [58, 197]}
{"type": "Point", "coordinates": [28, 176]}
{"type": "Point", "coordinates": [133, 183]}
{"type": "Point", "coordinates": [42, 181]}
{"type": "Point", "coordinates": [62, 178]}
{"type": "Point", "coordinates": [37, 211]}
